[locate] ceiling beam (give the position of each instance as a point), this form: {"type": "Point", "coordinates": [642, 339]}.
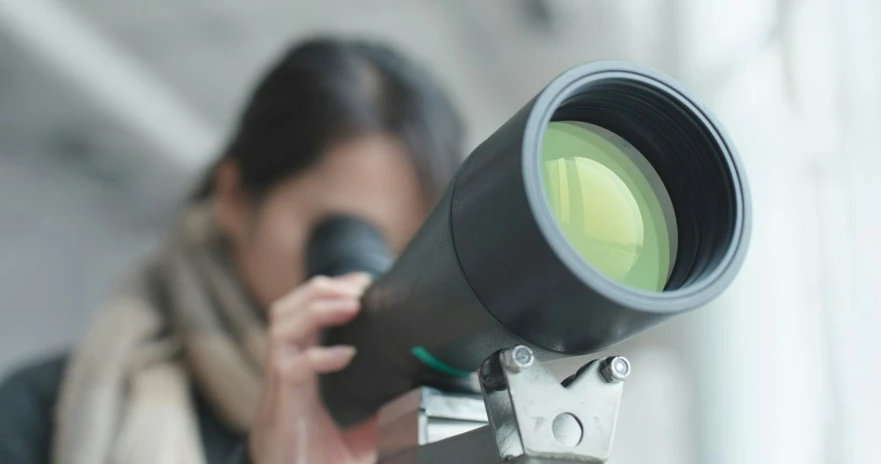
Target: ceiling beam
{"type": "Point", "coordinates": [59, 38]}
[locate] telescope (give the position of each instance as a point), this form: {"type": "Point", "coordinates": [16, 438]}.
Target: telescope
{"type": "Point", "coordinates": [609, 203]}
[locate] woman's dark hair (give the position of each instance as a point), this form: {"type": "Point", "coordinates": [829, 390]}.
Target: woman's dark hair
{"type": "Point", "coordinates": [326, 90]}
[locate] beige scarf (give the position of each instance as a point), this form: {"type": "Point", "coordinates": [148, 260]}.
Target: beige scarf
{"type": "Point", "coordinates": [183, 317]}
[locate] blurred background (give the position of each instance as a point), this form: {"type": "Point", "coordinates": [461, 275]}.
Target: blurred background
{"type": "Point", "coordinates": [110, 109]}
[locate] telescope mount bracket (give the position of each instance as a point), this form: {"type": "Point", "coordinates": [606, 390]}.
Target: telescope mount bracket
{"type": "Point", "coordinates": [529, 417]}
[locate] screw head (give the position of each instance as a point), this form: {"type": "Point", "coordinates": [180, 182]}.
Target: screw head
{"type": "Point", "coordinates": [616, 369]}
{"type": "Point", "coordinates": [518, 358]}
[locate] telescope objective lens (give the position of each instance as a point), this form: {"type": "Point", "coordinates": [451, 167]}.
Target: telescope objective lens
{"type": "Point", "coordinates": [609, 203]}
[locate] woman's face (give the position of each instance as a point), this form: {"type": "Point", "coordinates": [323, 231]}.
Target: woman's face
{"type": "Point", "coordinates": [370, 177]}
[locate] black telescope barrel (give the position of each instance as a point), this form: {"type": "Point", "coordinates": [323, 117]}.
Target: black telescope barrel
{"type": "Point", "coordinates": [490, 267]}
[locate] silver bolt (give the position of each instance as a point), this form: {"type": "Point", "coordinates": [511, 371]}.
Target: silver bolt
{"type": "Point", "coordinates": [518, 358]}
{"type": "Point", "coordinates": [616, 369]}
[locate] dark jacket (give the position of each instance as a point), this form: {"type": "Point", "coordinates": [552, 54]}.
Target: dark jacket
{"type": "Point", "coordinates": [27, 408]}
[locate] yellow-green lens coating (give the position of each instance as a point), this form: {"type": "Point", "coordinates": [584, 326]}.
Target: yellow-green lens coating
{"type": "Point", "coordinates": [609, 203]}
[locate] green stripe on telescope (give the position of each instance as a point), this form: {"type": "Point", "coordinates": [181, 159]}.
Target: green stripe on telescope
{"type": "Point", "coordinates": [609, 203]}
{"type": "Point", "coordinates": [436, 364]}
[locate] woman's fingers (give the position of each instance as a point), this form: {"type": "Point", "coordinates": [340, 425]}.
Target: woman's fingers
{"type": "Point", "coordinates": [320, 303]}
{"type": "Point", "coordinates": [320, 287]}
{"type": "Point", "coordinates": [324, 360]}
{"type": "Point", "coordinates": [294, 368]}
{"type": "Point", "coordinates": [360, 279]}
{"type": "Point", "coordinates": [318, 314]}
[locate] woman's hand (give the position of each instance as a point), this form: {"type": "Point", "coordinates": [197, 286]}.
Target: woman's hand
{"type": "Point", "coordinates": [292, 424]}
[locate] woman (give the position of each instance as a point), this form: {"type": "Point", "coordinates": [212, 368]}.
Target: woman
{"type": "Point", "coordinates": [209, 352]}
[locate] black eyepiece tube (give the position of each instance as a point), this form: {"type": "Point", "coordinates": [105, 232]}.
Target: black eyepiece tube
{"type": "Point", "coordinates": [343, 244]}
{"type": "Point", "coordinates": [609, 203]}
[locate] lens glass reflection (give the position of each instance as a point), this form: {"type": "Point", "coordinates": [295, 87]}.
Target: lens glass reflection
{"type": "Point", "coordinates": [610, 204]}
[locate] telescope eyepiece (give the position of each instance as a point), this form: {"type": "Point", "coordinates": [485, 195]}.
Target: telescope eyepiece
{"type": "Point", "coordinates": [342, 244]}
